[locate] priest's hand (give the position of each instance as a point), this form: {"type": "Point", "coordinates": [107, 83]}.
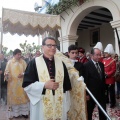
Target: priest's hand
{"type": "Point", "coordinates": [51, 84]}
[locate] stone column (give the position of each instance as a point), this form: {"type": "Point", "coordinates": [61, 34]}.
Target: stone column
{"type": "Point", "coordinates": [66, 41]}
{"type": "Point", "coordinates": [116, 25]}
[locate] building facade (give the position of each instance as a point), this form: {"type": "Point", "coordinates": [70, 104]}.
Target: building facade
{"type": "Point", "coordinates": [94, 20]}
{"type": "Point", "coordinates": [87, 23]}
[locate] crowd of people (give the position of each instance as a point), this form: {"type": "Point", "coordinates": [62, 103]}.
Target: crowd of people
{"type": "Point", "coordinates": [12, 93]}
{"type": "Point", "coordinates": [32, 84]}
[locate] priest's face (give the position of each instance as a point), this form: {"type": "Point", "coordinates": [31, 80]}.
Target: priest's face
{"type": "Point", "coordinates": [49, 49]}
{"type": "Point", "coordinates": [17, 56]}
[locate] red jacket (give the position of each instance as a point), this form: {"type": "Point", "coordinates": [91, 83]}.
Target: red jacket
{"type": "Point", "coordinates": [110, 69]}
{"type": "Point", "coordinates": [101, 59]}
{"type": "Point", "coordinates": [83, 59]}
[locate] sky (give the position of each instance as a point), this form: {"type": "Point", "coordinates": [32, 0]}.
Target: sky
{"type": "Point", "coordinates": [12, 42]}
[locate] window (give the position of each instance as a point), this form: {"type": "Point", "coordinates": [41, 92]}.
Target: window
{"type": "Point", "coordinates": [94, 36]}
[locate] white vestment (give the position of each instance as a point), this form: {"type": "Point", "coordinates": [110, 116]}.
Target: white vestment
{"type": "Point", "coordinates": [73, 102]}
{"type": "Point", "coordinates": [34, 92]}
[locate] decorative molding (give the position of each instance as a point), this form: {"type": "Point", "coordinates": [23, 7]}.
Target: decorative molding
{"type": "Point", "coordinates": [68, 38]}
{"type": "Point", "coordinates": [115, 24]}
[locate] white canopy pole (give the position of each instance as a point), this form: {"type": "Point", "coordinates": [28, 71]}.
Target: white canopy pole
{"type": "Point", "coordinates": [61, 41]}
{"type": "Point", "coordinates": [1, 42]}
{"type": "Point", "coordinates": [1, 52]}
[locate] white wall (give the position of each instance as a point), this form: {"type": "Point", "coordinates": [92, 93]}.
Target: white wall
{"type": "Point", "coordinates": [71, 22]}
{"type": "Point", "coordinates": [106, 37]}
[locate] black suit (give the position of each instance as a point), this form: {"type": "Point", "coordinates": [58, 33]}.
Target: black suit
{"type": "Point", "coordinates": [27, 60]}
{"type": "Point", "coordinates": [96, 84]}
{"type": "Point", "coordinates": [3, 83]}
{"type": "Point", "coordinates": [79, 66]}
{"type": "Point", "coordinates": [31, 74]}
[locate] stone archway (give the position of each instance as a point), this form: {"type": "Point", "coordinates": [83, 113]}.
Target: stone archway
{"type": "Point", "coordinates": [69, 26]}
{"type": "Point", "coordinates": [88, 7]}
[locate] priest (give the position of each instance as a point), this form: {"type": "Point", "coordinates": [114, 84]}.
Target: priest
{"type": "Point", "coordinates": [51, 83]}
{"type": "Point", "coordinates": [47, 84]}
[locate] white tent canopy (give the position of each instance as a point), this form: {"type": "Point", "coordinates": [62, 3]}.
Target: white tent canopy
{"type": "Point", "coordinates": [28, 23]}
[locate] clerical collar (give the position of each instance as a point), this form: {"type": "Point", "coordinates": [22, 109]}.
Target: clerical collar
{"type": "Point", "coordinates": [48, 59]}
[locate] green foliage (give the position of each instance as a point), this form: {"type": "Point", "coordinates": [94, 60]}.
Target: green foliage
{"type": "Point", "coordinates": [61, 6]}
{"type": "Point", "coordinates": [10, 53]}
{"type": "Point", "coordinates": [27, 48]}
{"type": "Point", "coordinates": [6, 52]}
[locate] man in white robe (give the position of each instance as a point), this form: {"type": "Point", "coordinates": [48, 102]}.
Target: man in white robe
{"type": "Point", "coordinates": [47, 84]}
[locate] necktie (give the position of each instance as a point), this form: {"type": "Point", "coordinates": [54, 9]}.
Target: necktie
{"type": "Point", "coordinates": [98, 69]}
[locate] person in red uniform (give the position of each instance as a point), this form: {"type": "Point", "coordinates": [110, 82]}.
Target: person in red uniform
{"type": "Point", "coordinates": [82, 58]}
{"type": "Point", "coordinates": [100, 47]}
{"type": "Point", "coordinates": [110, 69]}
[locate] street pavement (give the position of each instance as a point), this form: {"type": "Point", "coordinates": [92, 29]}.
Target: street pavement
{"type": "Point", "coordinates": [3, 114]}
{"type": "Point", "coordinates": [113, 113]}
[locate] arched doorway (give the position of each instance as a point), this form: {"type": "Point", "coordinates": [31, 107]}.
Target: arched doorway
{"type": "Point", "coordinates": [71, 23]}
{"type": "Point", "coordinates": [96, 27]}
